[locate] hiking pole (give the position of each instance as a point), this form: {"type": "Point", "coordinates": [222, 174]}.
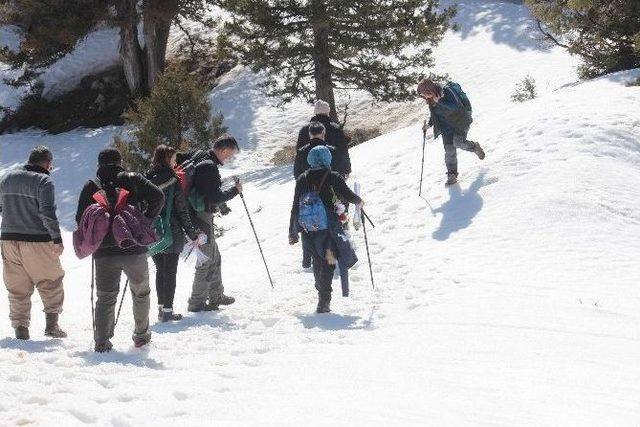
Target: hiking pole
{"type": "Point", "coordinates": [121, 301]}
{"type": "Point", "coordinates": [424, 143]}
{"type": "Point", "coordinates": [257, 240]}
{"type": "Point", "coordinates": [367, 218]}
{"type": "Point", "coordinates": [366, 243]}
{"type": "Point", "coordinates": [93, 315]}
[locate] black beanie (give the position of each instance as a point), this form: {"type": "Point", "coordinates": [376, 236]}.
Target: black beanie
{"type": "Point", "coordinates": [109, 156]}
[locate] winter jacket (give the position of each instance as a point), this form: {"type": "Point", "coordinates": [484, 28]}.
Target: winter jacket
{"type": "Point", "coordinates": [333, 185]}
{"type": "Point", "coordinates": [334, 237]}
{"type": "Point", "coordinates": [448, 115]}
{"type": "Point", "coordinates": [27, 203]}
{"type": "Point", "coordinates": [165, 178]}
{"type": "Point", "coordinates": [143, 195]}
{"type": "Point", "coordinates": [334, 138]}
{"type": "Point", "coordinates": [207, 181]}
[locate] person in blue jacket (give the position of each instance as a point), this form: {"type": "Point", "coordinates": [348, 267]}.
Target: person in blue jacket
{"type": "Point", "coordinates": [450, 117]}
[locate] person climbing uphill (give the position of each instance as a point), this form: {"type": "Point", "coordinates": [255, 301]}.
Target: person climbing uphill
{"type": "Point", "coordinates": [451, 117]}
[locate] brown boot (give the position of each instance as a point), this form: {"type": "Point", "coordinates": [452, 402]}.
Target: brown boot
{"type": "Point", "coordinates": [52, 329]}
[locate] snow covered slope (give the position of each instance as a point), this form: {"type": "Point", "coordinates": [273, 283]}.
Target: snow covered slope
{"type": "Point", "coordinates": [495, 48]}
{"type": "Point", "coordinates": [513, 302]}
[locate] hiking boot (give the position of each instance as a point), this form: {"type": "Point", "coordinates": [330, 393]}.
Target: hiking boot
{"type": "Point", "coordinates": [452, 179]}
{"type": "Point", "coordinates": [202, 307]}
{"type": "Point", "coordinates": [170, 316]}
{"type": "Point", "coordinates": [103, 346]}
{"type": "Point", "coordinates": [142, 340]}
{"type": "Point", "coordinates": [479, 151]}
{"type": "Point", "coordinates": [223, 300]}
{"type": "Point", "coordinates": [52, 329]}
{"type": "Point", "coordinates": [159, 314]}
{"type": "Point", "coordinates": [22, 333]}
{"type": "Point", "coordinates": [324, 306]}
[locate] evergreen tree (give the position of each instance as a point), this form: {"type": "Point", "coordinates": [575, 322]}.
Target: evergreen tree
{"type": "Point", "coordinates": [176, 114]}
{"type": "Point", "coordinates": [51, 28]}
{"type": "Point", "coordinates": [606, 34]}
{"type": "Point", "coordinates": [308, 48]}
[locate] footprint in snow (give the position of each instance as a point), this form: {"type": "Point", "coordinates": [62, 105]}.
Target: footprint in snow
{"type": "Point", "coordinates": [179, 395]}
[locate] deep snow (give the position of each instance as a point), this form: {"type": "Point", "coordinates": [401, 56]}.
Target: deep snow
{"type": "Point", "coordinates": [514, 302]}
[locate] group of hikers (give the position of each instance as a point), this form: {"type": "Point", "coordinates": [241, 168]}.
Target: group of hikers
{"type": "Point", "coordinates": [123, 217]}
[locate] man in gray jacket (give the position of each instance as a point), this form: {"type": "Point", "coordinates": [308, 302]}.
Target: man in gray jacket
{"type": "Point", "coordinates": [31, 243]}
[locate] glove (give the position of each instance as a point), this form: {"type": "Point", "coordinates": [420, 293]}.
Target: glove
{"type": "Point", "coordinates": [224, 209]}
{"type": "Point", "coordinates": [202, 239]}
{"type": "Point", "coordinates": [293, 239]}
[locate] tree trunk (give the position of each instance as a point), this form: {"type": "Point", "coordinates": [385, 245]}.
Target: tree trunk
{"type": "Point", "coordinates": [157, 18]}
{"type": "Point", "coordinates": [322, 64]}
{"type": "Point", "coordinates": [130, 52]}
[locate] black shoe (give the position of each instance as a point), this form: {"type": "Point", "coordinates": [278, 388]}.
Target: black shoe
{"type": "Point", "coordinates": [306, 264]}
{"type": "Point", "coordinates": [159, 314]}
{"type": "Point", "coordinates": [141, 340]}
{"type": "Point", "coordinates": [324, 306]}
{"type": "Point", "coordinates": [170, 316]}
{"type": "Point", "coordinates": [452, 178]}
{"type": "Point", "coordinates": [103, 346]}
{"type": "Point", "coordinates": [52, 328]}
{"type": "Point", "coordinates": [22, 333]}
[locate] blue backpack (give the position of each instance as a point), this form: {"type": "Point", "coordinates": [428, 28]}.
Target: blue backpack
{"type": "Point", "coordinates": [312, 214]}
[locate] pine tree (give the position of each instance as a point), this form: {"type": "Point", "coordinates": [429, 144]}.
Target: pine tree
{"type": "Point", "coordinates": [606, 34]}
{"type": "Point", "coordinates": [176, 114]}
{"type": "Point", "coordinates": [308, 48]}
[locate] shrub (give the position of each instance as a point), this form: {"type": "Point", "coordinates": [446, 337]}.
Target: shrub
{"type": "Point", "coordinates": [525, 90]}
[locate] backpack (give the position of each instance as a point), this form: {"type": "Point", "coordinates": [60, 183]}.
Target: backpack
{"type": "Point", "coordinates": [460, 95]}
{"type": "Point", "coordinates": [162, 225]}
{"type": "Point", "coordinates": [312, 213]}
{"type": "Point", "coordinates": [186, 172]}
{"type": "Point", "coordinates": [111, 212]}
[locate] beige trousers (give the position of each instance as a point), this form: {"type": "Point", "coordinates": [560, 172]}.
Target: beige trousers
{"type": "Point", "coordinates": [29, 265]}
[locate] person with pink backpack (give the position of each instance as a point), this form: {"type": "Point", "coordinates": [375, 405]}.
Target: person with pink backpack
{"type": "Point", "coordinates": [115, 214]}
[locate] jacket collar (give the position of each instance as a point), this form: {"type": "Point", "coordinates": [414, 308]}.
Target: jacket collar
{"type": "Point", "coordinates": [212, 155]}
{"type": "Point", "coordinates": [36, 168]}
{"type": "Point", "coordinates": [109, 173]}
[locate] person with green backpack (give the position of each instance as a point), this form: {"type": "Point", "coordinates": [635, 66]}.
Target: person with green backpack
{"type": "Point", "coordinates": [451, 116]}
{"type": "Point", "coordinates": [201, 181]}
{"type": "Point", "coordinates": [171, 226]}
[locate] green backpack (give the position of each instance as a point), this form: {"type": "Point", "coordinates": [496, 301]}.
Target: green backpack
{"type": "Point", "coordinates": [162, 226]}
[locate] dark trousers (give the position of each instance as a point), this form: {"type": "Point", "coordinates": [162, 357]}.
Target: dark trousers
{"type": "Point", "coordinates": [324, 261]}
{"type": "Point", "coordinates": [166, 271]}
{"type": "Point", "coordinates": [451, 143]}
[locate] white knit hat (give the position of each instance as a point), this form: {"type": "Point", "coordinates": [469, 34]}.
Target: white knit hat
{"type": "Point", "coordinates": [321, 107]}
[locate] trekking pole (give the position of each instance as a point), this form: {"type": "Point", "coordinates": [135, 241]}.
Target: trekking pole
{"type": "Point", "coordinates": [121, 301]}
{"type": "Point", "coordinates": [93, 315]}
{"type": "Point", "coordinates": [257, 240]}
{"type": "Point", "coordinates": [366, 243]}
{"type": "Point", "coordinates": [424, 143]}
{"type": "Point", "coordinates": [367, 218]}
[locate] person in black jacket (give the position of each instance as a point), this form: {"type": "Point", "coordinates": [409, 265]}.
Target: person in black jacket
{"type": "Point", "coordinates": [321, 243]}
{"type": "Point", "coordinates": [163, 175]}
{"type": "Point", "coordinates": [317, 135]}
{"type": "Point", "coordinates": [111, 260]}
{"type": "Point", "coordinates": [334, 139]}
{"type": "Point", "coordinates": [208, 293]}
